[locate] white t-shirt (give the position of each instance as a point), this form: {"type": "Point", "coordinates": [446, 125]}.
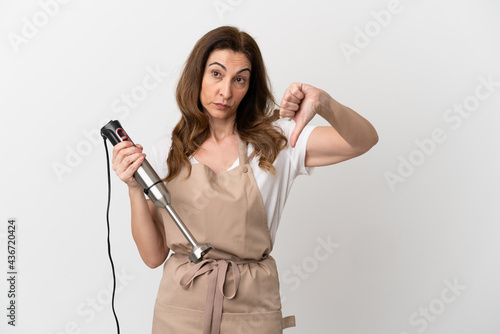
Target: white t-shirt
{"type": "Point", "coordinates": [274, 189]}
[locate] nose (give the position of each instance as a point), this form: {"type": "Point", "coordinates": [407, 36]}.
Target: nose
{"type": "Point", "coordinates": [225, 89]}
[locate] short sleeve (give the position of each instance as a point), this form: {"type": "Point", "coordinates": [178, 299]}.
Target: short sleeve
{"type": "Point", "coordinates": [157, 156]}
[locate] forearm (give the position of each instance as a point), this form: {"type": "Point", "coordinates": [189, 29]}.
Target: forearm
{"type": "Point", "coordinates": [147, 231]}
{"type": "Point", "coordinates": [358, 132]}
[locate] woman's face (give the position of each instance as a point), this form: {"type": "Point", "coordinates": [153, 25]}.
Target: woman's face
{"type": "Point", "coordinates": [225, 82]}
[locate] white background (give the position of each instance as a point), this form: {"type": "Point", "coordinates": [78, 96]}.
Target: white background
{"type": "Point", "coordinates": [399, 245]}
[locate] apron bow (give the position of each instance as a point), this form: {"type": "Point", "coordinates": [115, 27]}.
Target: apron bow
{"type": "Point", "coordinates": [217, 270]}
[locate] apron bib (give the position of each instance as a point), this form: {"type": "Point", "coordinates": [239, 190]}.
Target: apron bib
{"type": "Point", "coordinates": [235, 289]}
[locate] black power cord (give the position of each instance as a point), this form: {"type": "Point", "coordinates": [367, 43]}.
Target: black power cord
{"type": "Point", "coordinates": [109, 243]}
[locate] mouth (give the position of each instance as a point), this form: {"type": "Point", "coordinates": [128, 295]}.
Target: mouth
{"type": "Point", "coordinates": [222, 106]}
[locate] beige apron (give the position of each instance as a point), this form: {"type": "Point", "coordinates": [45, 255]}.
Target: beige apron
{"type": "Point", "coordinates": [235, 289]}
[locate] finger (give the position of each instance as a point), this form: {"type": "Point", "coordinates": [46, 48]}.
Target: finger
{"type": "Point", "coordinates": [119, 147]}
{"type": "Point", "coordinates": [132, 168]}
{"type": "Point", "coordinates": [287, 113]}
{"type": "Point", "coordinates": [297, 130]}
{"type": "Point", "coordinates": [289, 105]}
{"type": "Point", "coordinates": [122, 145]}
{"type": "Point", "coordinates": [129, 159]}
{"type": "Point", "coordinates": [124, 159]}
{"type": "Point", "coordinates": [125, 152]}
{"type": "Point", "coordinates": [128, 175]}
{"type": "Point", "coordinates": [296, 90]}
{"type": "Point", "coordinates": [289, 97]}
{"type": "Point", "coordinates": [129, 165]}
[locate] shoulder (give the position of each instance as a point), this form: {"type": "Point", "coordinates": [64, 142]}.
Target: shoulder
{"type": "Point", "coordinates": [291, 160]}
{"type": "Point", "coordinates": [287, 125]}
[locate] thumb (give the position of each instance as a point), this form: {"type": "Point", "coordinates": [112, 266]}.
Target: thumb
{"type": "Point", "coordinates": [297, 130]}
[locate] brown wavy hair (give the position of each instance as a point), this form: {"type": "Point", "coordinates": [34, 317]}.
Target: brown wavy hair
{"type": "Point", "coordinates": [254, 116]}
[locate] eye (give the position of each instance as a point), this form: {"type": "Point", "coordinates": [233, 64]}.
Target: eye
{"type": "Point", "coordinates": [240, 80]}
{"type": "Point", "coordinates": [216, 74]}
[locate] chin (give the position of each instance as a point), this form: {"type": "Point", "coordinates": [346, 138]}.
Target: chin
{"type": "Point", "coordinates": [221, 114]}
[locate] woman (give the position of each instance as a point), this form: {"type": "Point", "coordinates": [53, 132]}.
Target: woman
{"type": "Point", "coordinates": [229, 166]}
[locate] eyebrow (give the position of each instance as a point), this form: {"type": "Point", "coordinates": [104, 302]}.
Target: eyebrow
{"type": "Point", "coordinates": [225, 69]}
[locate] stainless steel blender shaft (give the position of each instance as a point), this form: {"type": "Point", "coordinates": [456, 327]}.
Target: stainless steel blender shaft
{"type": "Point", "coordinates": [198, 250]}
{"type": "Point", "coordinates": [159, 195]}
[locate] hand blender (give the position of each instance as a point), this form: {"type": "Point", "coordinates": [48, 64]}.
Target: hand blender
{"type": "Point", "coordinates": [154, 187]}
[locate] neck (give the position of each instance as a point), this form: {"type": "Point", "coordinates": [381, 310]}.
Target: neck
{"type": "Point", "coordinates": [221, 128]}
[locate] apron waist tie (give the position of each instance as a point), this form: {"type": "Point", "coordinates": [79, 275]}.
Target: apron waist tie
{"type": "Point", "coordinates": [217, 269]}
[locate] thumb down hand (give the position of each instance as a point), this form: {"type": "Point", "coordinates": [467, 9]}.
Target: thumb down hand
{"type": "Point", "coordinates": [300, 103]}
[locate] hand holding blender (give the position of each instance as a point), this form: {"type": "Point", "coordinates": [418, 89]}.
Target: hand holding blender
{"type": "Point", "coordinates": [154, 187]}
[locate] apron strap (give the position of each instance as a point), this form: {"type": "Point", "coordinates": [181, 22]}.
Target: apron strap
{"type": "Point", "coordinates": [288, 322]}
{"type": "Point", "coordinates": [242, 151]}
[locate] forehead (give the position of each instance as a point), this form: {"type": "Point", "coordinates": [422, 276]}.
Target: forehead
{"type": "Point", "coordinates": [229, 59]}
